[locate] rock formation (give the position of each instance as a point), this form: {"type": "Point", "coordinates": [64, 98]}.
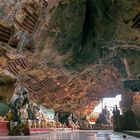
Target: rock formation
{"type": "Point", "coordinates": [70, 53]}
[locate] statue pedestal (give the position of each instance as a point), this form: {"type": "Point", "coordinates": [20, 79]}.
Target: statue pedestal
{"type": "Point", "coordinates": [4, 128]}
{"type": "Point", "coordinates": [34, 131]}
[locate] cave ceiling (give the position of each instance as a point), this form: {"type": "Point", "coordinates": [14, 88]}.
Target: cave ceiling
{"type": "Point", "coordinates": [70, 53]}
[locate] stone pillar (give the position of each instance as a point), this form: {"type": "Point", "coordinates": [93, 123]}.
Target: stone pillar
{"type": "Point", "coordinates": [127, 101]}
{"type": "Point", "coordinates": [131, 100]}
{"type": "Point", "coordinates": [136, 104]}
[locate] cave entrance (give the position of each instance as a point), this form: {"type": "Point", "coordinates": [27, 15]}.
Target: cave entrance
{"type": "Point", "coordinates": [112, 102]}
{"type": "Point", "coordinates": [107, 104]}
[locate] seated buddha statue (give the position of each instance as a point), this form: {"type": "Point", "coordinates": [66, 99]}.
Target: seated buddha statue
{"type": "Point", "coordinates": [9, 116]}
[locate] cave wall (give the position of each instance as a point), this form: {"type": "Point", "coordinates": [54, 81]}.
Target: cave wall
{"type": "Point", "coordinates": [84, 39]}
{"type": "Point", "coordinates": [7, 88]}
{"type": "Point", "coordinates": [61, 32]}
{"type": "Point", "coordinates": [83, 32]}
{"type": "Point", "coordinates": [6, 93]}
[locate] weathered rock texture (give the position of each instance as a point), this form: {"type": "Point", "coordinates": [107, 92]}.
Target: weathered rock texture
{"type": "Point", "coordinates": [77, 51]}
{"type": "Point", "coordinates": [88, 32]}
{"type": "Point", "coordinates": [62, 30]}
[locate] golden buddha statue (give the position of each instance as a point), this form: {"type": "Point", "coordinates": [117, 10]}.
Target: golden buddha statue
{"type": "Point", "coordinates": [42, 124]}
{"type": "Point", "coordinates": [27, 124]}
{"type": "Point", "coordinates": [47, 124]}
{"type": "Point", "coordinates": [51, 124]}
{"type": "Point", "coordinates": [37, 124]}
{"type": "Point", "coordinates": [33, 124]}
{"type": "Point", "coordinates": [9, 116]}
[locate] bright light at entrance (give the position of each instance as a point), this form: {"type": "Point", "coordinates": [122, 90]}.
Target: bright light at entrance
{"type": "Point", "coordinates": [98, 108]}
{"type": "Point", "coordinates": [109, 102]}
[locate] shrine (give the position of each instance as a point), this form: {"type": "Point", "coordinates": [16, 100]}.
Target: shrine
{"type": "Point", "coordinates": [69, 68]}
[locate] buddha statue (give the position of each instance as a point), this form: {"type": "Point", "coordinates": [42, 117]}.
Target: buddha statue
{"type": "Point", "coordinates": [33, 124]}
{"type": "Point", "coordinates": [38, 124]}
{"type": "Point", "coordinates": [42, 124]}
{"type": "Point", "coordinates": [27, 124]}
{"type": "Point", "coordinates": [9, 116]}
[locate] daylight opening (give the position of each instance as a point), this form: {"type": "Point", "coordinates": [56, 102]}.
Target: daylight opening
{"type": "Point", "coordinates": [108, 104]}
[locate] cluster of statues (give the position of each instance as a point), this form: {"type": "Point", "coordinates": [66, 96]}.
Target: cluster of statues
{"type": "Point", "coordinates": [25, 122]}
{"type": "Point", "coordinates": [127, 121]}
{"type": "Point", "coordinates": [24, 115]}
{"type": "Point", "coordinates": [22, 128]}
{"type": "Point", "coordinates": [116, 113]}
{"type": "Point", "coordinates": [71, 123]}
{"type": "Point", "coordinates": [104, 117]}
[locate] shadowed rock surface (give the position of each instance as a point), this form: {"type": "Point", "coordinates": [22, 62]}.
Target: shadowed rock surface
{"type": "Point", "coordinates": [73, 51]}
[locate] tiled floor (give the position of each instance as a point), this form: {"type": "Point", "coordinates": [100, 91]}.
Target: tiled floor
{"type": "Point", "coordinates": [75, 135]}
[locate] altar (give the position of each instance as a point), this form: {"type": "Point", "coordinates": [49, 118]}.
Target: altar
{"type": "Point", "coordinates": [4, 128]}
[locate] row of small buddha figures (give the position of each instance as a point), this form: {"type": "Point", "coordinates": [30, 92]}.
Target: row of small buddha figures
{"type": "Point", "coordinates": [40, 122]}
{"type": "Point", "coordinates": [23, 128]}
{"type": "Point", "coordinates": [46, 124]}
